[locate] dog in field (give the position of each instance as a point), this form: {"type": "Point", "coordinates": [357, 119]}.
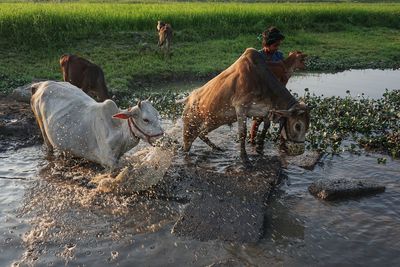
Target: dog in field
{"type": "Point", "coordinates": [164, 37]}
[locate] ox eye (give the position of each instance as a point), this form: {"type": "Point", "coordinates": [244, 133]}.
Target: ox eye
{"type": "Point", "coordinates": [297, 127]}
{"type": "Point", "coordinates": [146, 120]}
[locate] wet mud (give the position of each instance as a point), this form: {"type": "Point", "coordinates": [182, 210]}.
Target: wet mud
{"type": "Point", "coordinates": [18, 127]}
{"type": "Point", "coordinates": [227, 206]}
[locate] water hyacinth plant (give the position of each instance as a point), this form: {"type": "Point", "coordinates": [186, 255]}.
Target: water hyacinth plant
{"type": "Point", "coordinates": [337, 124]}
{"type": "Point", "coordinates": [371, 123]}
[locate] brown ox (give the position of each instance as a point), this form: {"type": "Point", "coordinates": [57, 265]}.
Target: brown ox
{"type": "Point", "coordinates": [246, 89]}
{"type": "Point", "coordinates": [164, 37]}
{"type": "Point", "coordinates": [85, 75]}
{"type": "Point", "coordinates": [282, 72]}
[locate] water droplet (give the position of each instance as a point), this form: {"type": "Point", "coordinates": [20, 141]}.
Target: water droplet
{"type": "Point", "coordinates": [114, 255]}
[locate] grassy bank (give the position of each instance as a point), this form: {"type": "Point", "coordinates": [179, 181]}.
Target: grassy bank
{"type": "Point", "coordinates": [122, 39]}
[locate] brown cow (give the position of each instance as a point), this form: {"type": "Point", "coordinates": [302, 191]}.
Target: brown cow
{"type": "Point", "coordinates": [85, 75]}
{"type": "Point", "coordinates": [164, 37]}
{"type": "Point", "coordinates": [246, 89]}
{"type": "Point", "coordinates": [282, 72]}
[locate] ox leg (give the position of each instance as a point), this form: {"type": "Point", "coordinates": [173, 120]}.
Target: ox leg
{"type": "Point", "coordinates": [206, 140]}
{"type": "Point", "coordinates": [169, 48]}
{"type": "Point", "coordinates": [165, 51]}
{"type": "Point", "coordinates": [261, 136]}
{"type": "Point", "coordinates": [189, 135]}
{"type": "Point", "coordinates": [49, 146]}
{"type": "Point", "coordinates": [254, 130]}
{"type": "Point", "coordinates": [65, 74]}
{"type": "Point", "coordinates": [241, 118]}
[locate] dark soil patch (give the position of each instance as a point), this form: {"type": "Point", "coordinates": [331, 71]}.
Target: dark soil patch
{"type": "Point", "coordinates": [18, 127]}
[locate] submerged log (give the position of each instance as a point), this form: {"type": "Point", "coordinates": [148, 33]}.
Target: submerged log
{"type": "Point", "coordinates": [333, 189]}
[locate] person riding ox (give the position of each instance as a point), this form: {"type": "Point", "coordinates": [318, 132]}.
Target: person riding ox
{"type": "Point", "coordinates": [73, 122]}
{"type": "Point", "coordinates": [245, 89]}
{"type": "Point", "coordinates": [293, 62]}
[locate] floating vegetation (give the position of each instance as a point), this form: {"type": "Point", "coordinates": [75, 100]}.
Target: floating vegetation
{"type": "Point", "coordinates": [337, 124]}
{"type": "Point", "coordinates": [163, 101]}
{"type": "Point", "coordinates": [340, 124]}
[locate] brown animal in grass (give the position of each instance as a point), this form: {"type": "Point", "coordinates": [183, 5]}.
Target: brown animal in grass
{"type": "Point", "coordinates": [246, 89]}
{"type": "Point", "coordinates": [165, 37]}
{"type": "Point", "coordinates": [84, 74]}
{"type": "Point", "coordinates": [283, 72]}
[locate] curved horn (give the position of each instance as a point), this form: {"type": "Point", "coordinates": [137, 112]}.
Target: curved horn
{"type": "Point", "coordinates": [139, 104]}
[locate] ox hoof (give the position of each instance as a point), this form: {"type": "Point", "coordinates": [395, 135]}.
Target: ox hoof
{"type": "Point", "coordinates": [246, 163]}
{"type": "Point", "coordinates": [260, 150]}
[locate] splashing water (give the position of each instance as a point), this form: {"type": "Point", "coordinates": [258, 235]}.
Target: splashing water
{"type": "Point", "coordinates": [142, 170]}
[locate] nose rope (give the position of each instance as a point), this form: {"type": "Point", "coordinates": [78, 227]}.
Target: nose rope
{"type": "Point", "coordinates": [130, 128]}
{"type": "Point", "coordinates": [131, 123]}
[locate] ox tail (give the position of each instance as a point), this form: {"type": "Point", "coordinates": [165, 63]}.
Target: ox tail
{"type": "Point", "coordinates": [182, 101]}
{"type": "Point", "coordinates": [34, 87]}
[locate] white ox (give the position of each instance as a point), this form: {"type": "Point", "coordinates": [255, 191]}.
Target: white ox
{"type": "Point", "coordinates": [73, 122]}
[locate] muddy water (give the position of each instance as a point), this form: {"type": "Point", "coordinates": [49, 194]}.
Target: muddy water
{"type": "Point", "coordinates": [54, 222]}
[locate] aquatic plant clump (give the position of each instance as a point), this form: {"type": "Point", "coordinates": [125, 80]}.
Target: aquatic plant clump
{"type": "Point", "coordinates": [349, 123]}
{"type": "Point", "coordinates": [337, 124]}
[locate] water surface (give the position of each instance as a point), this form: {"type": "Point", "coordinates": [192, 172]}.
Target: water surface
{"type": "Point", "coordinates": [51, 221]}
{"type": "Point", "coordinates": [370, 82]}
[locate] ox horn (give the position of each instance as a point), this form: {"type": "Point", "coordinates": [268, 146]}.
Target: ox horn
{"type": "Point", "coordinates": [275, 115]}
{"type": "Point", "coordinates": [299, 108]}
{"type": "Point", "coordinates": [139, 104]}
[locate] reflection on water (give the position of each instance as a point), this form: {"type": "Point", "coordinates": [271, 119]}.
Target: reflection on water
{"type": "Point", "coordinates": [371, 82]}
{"type": "Point", "coordinates": [17, 171]}
{"type": "Point", "coordinates": [305, 231]}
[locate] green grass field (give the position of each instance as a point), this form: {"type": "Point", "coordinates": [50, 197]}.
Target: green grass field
{"type": "Point", "coordinates": [207, 37]}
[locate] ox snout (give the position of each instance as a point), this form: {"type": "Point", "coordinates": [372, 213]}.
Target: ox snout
{"type": "Point", "coordinates": [293, 148]}
{"type": "Point", "coordinates": [154, 138]}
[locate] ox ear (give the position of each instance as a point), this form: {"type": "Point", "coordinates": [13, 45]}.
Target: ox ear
{"type": "Point", "coordinates": [300, 108]}
{"type": "Point", "coordinates": [275, 115]}
{"type": "Point", "coordinates": [124, 115]}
